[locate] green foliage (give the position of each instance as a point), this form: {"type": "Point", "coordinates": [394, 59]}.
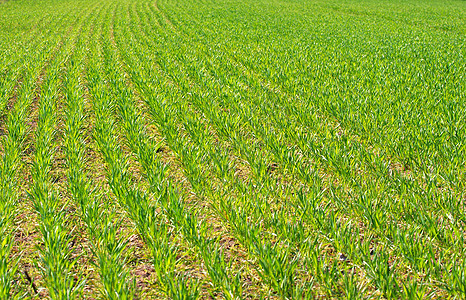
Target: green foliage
{"type": "Point", "coordinates": [258, 149]}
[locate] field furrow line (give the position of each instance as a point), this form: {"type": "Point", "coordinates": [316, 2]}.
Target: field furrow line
{"type": "Point", "coordinates": [46, 191]}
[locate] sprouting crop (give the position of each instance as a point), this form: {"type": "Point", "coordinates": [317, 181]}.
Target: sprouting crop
{"type": "Point", "coordinates": [268, 149]}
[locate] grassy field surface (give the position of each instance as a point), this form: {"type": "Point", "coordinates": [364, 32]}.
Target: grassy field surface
{"type": "Point", "coordinates": [232, 149]}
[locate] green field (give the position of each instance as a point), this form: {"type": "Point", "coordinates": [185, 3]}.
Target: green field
{"type": "Point", "coordinates": [237, 149]}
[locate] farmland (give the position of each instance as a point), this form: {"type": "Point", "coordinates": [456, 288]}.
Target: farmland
{"type": "Point", "coordinates": [227, 149]}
